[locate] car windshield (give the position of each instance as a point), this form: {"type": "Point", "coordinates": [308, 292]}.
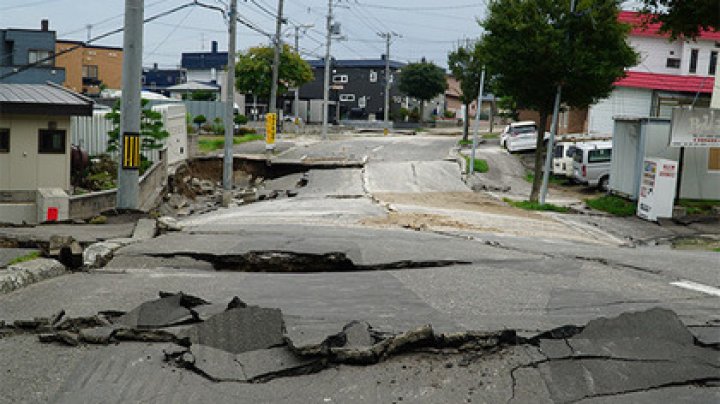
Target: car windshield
{"type": "Point", "coordinates": [523, 129]}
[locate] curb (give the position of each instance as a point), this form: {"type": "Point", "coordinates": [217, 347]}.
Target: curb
{"type": "Point", "coordinates": [26, 273]}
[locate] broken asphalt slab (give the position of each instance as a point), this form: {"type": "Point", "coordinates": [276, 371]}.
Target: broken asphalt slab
{"type": "Point", "coordinates": [633, 353]}
{"type": "Point", "coordinates": [22, 274]}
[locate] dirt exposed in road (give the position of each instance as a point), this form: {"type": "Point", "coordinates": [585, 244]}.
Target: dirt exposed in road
{"type": "Point", "coordinates": [422, 221]}
{"type": "Point", "coordinates": [457, 200]}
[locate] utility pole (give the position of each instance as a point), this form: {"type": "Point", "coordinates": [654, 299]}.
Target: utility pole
{"type": "Point", "coordinates": [276, 58]}
{"type": "Point", "coordinates": [229, 103]}
{"type": "Point", "coordinates": [326, 85]}
{"type": "Point", "coordinates": [553, 129]}
{"type": "Point", "coordinates": [476, 127]}
{"type": "Point", "coordinates": [128, 187]}
{"type": "Point", "coordinates": [386, 109]}
{"type": "Point", "coordinates": [296, 107]}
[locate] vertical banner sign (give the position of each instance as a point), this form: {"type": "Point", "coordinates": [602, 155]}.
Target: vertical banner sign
{"type": "Point", "coordinates": [131, 151]}
{"type": "Point", "coordinates": [270, 128]}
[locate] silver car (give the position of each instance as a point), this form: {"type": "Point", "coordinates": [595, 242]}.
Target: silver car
{"type": "Point", "coordinates": [591, 164]}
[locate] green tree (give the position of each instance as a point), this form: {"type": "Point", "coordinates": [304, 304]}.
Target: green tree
{"type": "Point", "coordinates": [423, 81]}
{"type": "Point", "coordinates": [253, 71]}
{"type": "Point", "coordinates": [533, 46]}
{"type": "Point", "coordinates": [152, 130]}
{"type": "Point", "coordinates": [684, 18]}
{"type": "Point", "coordinates": [203, 95]}
{"type": "Point", "coordinates": [466, 66]}
{"type": "Point", "coordinates": [199, 120]}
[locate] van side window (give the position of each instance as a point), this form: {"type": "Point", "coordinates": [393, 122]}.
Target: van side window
{"type": "Point", "coordinates": [599, 156]}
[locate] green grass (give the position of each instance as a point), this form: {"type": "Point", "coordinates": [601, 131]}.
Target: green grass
{"type": "Point", "coordinates": [527, 205]}
{"type": "Point", "coordinates": [468, 142]}
{"type": "Point", "coordinates": [481, 166]}
{"type": "Point", "coordinates": [717, 249]}
{"type": "Point", "coordinates": [698, 207]}
{"type": "Point", "coordinates": [612, 204]}
{"type": "Point", "coordinates": [210, 143]}
{"type": "Point", "coordinates": [25, 258]}
{"type": "Point", "coordinates": [554, 179]}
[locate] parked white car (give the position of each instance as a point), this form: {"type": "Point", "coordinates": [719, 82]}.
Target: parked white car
{"type": "Point", "coordinates": [563, 159]}
{"type": "Point", "coordinates": [520, 136]}
{"type": "Point", "coordinates": [591, 164]}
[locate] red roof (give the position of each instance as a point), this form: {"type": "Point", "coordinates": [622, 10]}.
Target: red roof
{"type": "Point", "coordinates": [667, 82]}
{"type": "Point", "coordinates": [653, 29]}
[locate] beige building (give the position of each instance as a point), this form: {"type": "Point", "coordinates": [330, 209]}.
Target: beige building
{"type": "Point", "coordinates": [35, 150]}
{"type": "Point", "coordinates": [89, 67]}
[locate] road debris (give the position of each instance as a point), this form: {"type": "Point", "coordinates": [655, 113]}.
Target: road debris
{"type": "Point", "coordinates": [237, 342]}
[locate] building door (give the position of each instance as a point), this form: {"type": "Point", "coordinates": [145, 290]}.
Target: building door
{"type": "Point", "coordinates": [23, 152]}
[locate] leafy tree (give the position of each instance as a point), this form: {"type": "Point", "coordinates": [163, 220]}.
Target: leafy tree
{"type": "Point", "coordinates": [466, 65]}
{"type": "Point", "coordinates": [423, 81]}
{"type": "Point", "coordinates": [202, 95]}
{"type": "Point", "coordinates": [253, 71]}
{"type": "Point", "coordinates": [240, 119]}
{"type": "Point", "coordinates": [152, 130]}
{"type": "Point", "coordinates": [684, 18]}
{"type": "Point", "coordinates": [533, 46]}
{"type": "Point", "coordinates": [199, 120]}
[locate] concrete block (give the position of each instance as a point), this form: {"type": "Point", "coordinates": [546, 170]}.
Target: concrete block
{"type": "Point", "coordinates": [25, 273]}
{"type": "Point", "coordinates": [52, 199]}
{"type": "Point", "coordinates": [145, 229]}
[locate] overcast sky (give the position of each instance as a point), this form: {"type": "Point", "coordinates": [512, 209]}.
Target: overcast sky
{"type": "Point", "coordinates": [428, 28]}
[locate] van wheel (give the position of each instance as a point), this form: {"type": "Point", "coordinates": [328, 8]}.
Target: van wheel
{"type": "Point", "coordinates": [604, 183]}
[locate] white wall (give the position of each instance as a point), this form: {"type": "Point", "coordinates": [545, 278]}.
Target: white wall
{"type": "Point", "coordinates": [654, 53]}
{"type": "Point", "coordinates": [23, 168]}
{"type": "Point", "coordinates": [704, 48]}
{"type": "Point", "coordinates": [622, 101]}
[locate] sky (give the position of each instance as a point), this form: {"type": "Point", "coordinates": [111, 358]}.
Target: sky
{"type": "Point", "coordinates": [426, 28]}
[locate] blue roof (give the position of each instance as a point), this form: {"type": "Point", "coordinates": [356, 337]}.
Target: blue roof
{"type": "Point", "coordinates": [356, 63]}
{"type": "Point", "coordinates": [204, 60]}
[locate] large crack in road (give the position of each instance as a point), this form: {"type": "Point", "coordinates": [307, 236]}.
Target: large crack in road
{"type": "Point", "coordinates": [241, 343]}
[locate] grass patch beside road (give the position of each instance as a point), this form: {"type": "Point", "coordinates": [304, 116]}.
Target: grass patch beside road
{"type": "Point", "coordinates": [463, 142]}
{"type": "Point", "coordinates": [25, 258]}
{"type": "Point", "coordinates": [481, 166]}
{"type": "Point", "coordinates": [554, 179]}
{"type": "Point", "coordinates": [612, 204]}
{"type": "Point", "coordinates": [527, 205]}
{"type": "Point", "coordinates": [698, 207]}
{"type": "Point", "coordinates": [210, 143]}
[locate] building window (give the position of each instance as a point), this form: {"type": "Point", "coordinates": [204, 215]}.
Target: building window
{"type": "Point", "coordinates": [373, 76]}
{"type": "Point", "coordinates": [340, 78]}
{"type": "Point", "coordinates": [89, 72]}
{"type": "Point", "coordinates": [42, 57]}
{"type": "Point", "coordinates": [51, 141]}
{"type": "Point", "coordinates": [713, 63]}
{"type": "Point", "coordinates": [347, 97]}
{"type": "Point", "coordinates": [693, 60]}
{"type": "Point", "coordinates": [4, 140]}
{"type": "Point", "coordinates": [714, 159]}
{"type": "Point", "coordinates": [672, 63]}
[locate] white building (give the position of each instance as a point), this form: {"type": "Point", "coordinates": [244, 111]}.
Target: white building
{"type": "Point", "coordinates": [670, 74]}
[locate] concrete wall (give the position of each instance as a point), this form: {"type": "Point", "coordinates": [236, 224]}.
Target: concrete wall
{"type": "Point", "coordinates": [23, 168]}
{"type": "Point", "coordinates": [151, 185]}
{"type": "Point", "coordinates": [654, 52]}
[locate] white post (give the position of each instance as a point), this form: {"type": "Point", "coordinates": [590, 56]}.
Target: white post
{"type": "Point", "coordinates": [326, 87]}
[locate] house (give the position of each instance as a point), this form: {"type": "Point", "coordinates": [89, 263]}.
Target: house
{"type": "Point", "coordinates": [159, 80]}
{"type": "Point", "coordinates": [209, 68]}
{"type": "Point", "coordinates": [209, 91]}
{"type": "Point", "coordinates": [89, 68]}
{"type": "Point", "coordinates": [21, 47]}
{"type": "Point", "coordinates": [358, 86]}
{"type": "Point", "coordinates": [453, 101]}
{"type": "Point", "coordinates": [670, 74]}
{"type": "Point", "coordinates": [35, 153]}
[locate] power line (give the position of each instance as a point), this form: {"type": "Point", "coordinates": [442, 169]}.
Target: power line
{"type": "Point", "coordinates": [414, 8]}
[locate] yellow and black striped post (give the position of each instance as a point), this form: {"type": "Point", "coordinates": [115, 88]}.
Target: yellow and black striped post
{"type": "Point", "coordinates": [131, 151]}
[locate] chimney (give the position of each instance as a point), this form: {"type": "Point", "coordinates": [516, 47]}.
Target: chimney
{"type": "Point", "coordinates": [44, 25]}
{"type": "Point", "coordinates": [383, 56]}
{"type": "Point", "coordinates": [214, 47]}
{"type": "Point", "coordinates": [155, 66]}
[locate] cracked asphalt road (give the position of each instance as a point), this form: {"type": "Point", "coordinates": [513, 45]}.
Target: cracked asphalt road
{"type": "Point", "coordinates": [530, 284]}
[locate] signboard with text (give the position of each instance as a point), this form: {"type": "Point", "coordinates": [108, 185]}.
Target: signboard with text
{"type": "Point", "coordinates": [695, 127]}
{"type": "Point", "coordinates": [270, 128]}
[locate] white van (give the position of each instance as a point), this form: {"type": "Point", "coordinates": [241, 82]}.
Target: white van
{"type": "Point", "coordinates": [563, 159]}
{"type": "Point", "coordinates": [591, 164]}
